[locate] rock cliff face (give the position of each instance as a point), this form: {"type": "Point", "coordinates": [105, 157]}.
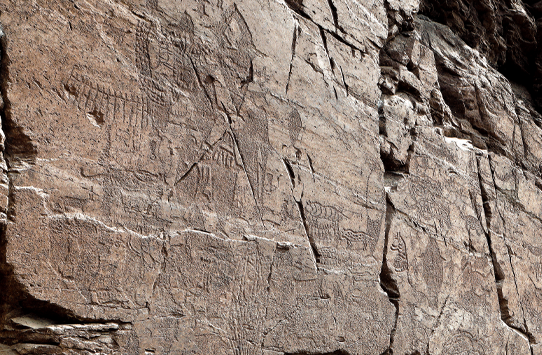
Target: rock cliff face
{"type": "Point", "coordinates": [270, 177]}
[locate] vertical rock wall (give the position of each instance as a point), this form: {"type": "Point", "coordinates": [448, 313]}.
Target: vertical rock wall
{"type": "Point", "coordinates": [270, 177]}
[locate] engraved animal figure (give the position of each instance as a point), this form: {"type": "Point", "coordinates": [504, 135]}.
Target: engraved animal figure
{"type": "Point", "coordinates": [441, 152]}
{"type": "Point", "coordinates": [430, 209]}
{"type": "Point", "coordinates": [423, 187]}
{"type": "Point", "coordinates": [368, 242]}
{"type": "Point", "coordinates": [471, 224]}
{"type": "Point", "coordinates": [428, 204]}
{"type": "Point", "coordinates": [505, 176]}
{"type": "Point", "coordinates": [223, 152]}
{"type": "Point", "coordinates": [400, 262]}
{"type": "Point", "coordinates": [323, 221]}
{"type": "Point", "coordinates": [534, 250]}
{"type": "Point", "coordinates": [105, 106]}
{"type": "Point", "coordinates": [369, 237]}
{"type": "Point", "coordinates": [462, 344]}
{"type": "Point", "coordinates": [217, 178]}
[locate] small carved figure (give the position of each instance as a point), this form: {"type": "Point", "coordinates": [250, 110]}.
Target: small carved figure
{"type": "Point", "coordinates": [295, 125]}
{"type": "Point", "coordinates": [400, 262]}
{"type": "Point", "coordinates": [367, 241]}
{"type": "Point", "coordinates": [323, 221]}
{"type": "Point", "coordinates": [433, 269]}
{"type": "Point", "coordinates": [461, 344]}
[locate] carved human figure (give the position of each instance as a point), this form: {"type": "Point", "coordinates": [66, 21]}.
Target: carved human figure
{"type": "Point", "coordinates": [185, 109]}
{"type": "Point", "coordinates": [433, 270]}
{"type": "Point", "coordinates": [182, 116]}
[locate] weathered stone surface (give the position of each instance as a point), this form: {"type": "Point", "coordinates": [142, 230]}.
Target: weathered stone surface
{"type": "Point", "coordinates": [250, 177]}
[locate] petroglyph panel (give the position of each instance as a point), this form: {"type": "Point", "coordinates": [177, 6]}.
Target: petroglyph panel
{"type": "Point", "coordinates": [265, 178]}
{"type": "Point", "coordinates": [176, 147]}
{"type": "Point", "coordinates": [446, 199]}
{"type": "Point", "coordinates": [437, 249]}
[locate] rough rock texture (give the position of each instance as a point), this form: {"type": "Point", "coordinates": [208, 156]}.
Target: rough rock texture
{"type": "Point", "coordinates": [270, 177]}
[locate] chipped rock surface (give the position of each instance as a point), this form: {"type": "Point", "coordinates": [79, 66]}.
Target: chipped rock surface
{"type": "Point", "coordinates": [270, 177]}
